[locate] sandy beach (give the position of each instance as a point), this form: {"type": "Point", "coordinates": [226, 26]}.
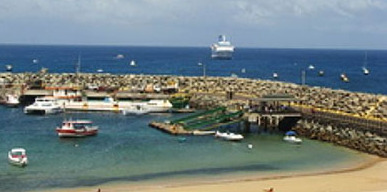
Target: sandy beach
{"type": "Point", "coordinates": [368, 177]}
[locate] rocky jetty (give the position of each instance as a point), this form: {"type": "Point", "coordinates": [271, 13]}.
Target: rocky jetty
{"type": "Point", "coordinates": [343, 135]}
{"type": "Point", "coordinates": [360, 104]}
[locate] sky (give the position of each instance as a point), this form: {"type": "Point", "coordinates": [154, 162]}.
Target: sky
{"type": "Point", "coordinates": [341, 24]}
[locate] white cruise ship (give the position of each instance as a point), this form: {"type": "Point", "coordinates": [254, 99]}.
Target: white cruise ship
{"type": "Point", "coordinates": [222, 49]}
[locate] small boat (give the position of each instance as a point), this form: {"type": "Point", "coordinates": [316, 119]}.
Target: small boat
{"type": "Point", "coordinates": [275, 75]}
{"type": "Point", "coordinates": [8, 67]}
{"type": "Point", "coordinates": [44, 106]}
{"type": "Point", "coordinates": [344, 77]}
{"type": "Point", "coordinates": [321, 73]}
{"type": "Point", "coordinates": [11, 100]}
{"type": "Point", "coordinates": [99, 70]}
{"type": "Point", "coordinates": [229, 136]}
{"type": "Point", "coordinates": [132, 63]}
{"type": "Point", "coordinates": [365, 69]}
{"type": "Point", "coordinates": [136, 110]}
{"type": "Point", "coordinates": [119, 56]}
{"type": "Point", "coordinates": [311, 67]}
{"type": "Point", "coordinates": [290, 137]}
{"type": "Point", "coordinates": [77, 128]}
{"type": "Point", "coordinates": [234, 75]}
{"type": "Point", "coordinates": [243, 70]}
{"type": "Point", "coordinates": [18, 157]}
{"type": "Point", "coordinates": [35, 61]}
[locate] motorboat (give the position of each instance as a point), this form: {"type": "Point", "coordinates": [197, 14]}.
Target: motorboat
{"type": "Point", "coordinates": [44, 106]}
{"type": "Point", "coordinates": [119, 56]}
{"type": "Point", "coordinates": [344, 77]}
{"type": "Point", "coordinates": [136, 110]}
{"type": "Point", "coordinates": [311, 67]}
{"type": "Point", "coordinates": [291, 137]}
{"type": "Point", "coordinates": [229, 136]}
{"type": "Point", "coordinates": [35, 61]}
{"type": "Point", "coordinates": [321, 73]}
{"type": "Point", "coordinates": [18, 157]}
{"type": "Point", "coordinates": [11, 100]}
{"type": "Point", "coordinates": [77, 128]}
{"type": "Point", "coordinates": [365, 71]}
{"type": "Point", "coordinates": [222, 49]}
{"type": "Point", "coordinates": [275, 75]}
{"type": "Point", "coordinates": [99, 70]}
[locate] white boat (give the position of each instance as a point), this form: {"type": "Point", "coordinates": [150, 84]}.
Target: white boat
{"type": "Point", "coordinates": [365, 69]}
{"type": "Point", "coordinates": [229, 136]}
{"type": "Point", "coordinates": [35, 61]}
{"type": "Point", "coordinates": [109, 104]}
{"type": "Point", "coordinates": [222, 49]}
{"type": "Point", "coordinates": [135, 110]}
{"type": "Point", "coordinates": [275, 75]}
{"type": "Point", "coordinates": [77, 128]}
{"type": "Point", "coordinates": [44, 106]}
{"type": "Point", "coordinates": [311, 67]}
{"type": "Point", "coordinates": [11, 100]}
{"type": "Point", "coordinates": [344, 77]}
{"type": "Point", "coordinates": [291, 137]}
{"type": "Point", "coordinates": [99, 70]}
{"type": "Point", "coordinates": [18, 157]}
{"type": "Point", "coordinates": [132, 63]}
{"type": "Point", "coordinates": [119, 56]}
{"type": "Point", "coordinates": [8, 67]}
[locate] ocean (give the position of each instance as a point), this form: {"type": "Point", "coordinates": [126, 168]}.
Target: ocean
{"type": "Point", "coordinates": [247, 63]}
{"type": "Point", "coordinates": [128, 150]}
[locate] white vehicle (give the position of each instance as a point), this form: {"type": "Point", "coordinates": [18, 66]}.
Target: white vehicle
{"type": "Point", "coordinates": [291, 137]}
{"type": "Point", "coordinates": [77, 128]}
{"type": "Point", "coordinates": [229, 136]}
{"type": "Point", "coordinates": [44, 106]}
{"type": "Point", "coordinates": [18, 157]}
{"type": "Point", "coordinates": [222, 49]}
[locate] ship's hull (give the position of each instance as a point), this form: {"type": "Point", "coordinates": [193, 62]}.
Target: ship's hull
{"type": "Point", "coordinates": [221, 55]}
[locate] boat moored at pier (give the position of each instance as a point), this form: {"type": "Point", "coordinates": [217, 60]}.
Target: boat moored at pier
{"type": "Point", "coordinates": [44, 106]}
{"type": "Point", "coordinates": [229, 136]}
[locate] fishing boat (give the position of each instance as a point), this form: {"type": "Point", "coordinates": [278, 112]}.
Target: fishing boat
{"type": "Point", "coordinates": [18, 157]}
{"type": "Point", "coordinates": [222, 49]}
{"type": "Point", "coordinates": [229, 136]}
{"type": "Point", "coordinates": [44, 106]}
{"type": "Point", "coordinates": [77, 128]}
{"type": "Point", "coordinates": [291, 137]}
{"type": "Point", "coordinates": [11, 100]}
{"type": "Point", "coordinates": [135, 110]}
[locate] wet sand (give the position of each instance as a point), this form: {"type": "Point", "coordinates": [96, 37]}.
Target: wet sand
{"type": "Point", "coordinates": [366, 177]}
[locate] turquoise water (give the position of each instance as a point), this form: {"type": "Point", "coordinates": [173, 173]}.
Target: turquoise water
{"type": "Point", "coordinates": [126, 149]}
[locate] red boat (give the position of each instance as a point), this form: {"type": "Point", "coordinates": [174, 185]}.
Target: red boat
{"type": "Point", "coordinates": [77, 128]}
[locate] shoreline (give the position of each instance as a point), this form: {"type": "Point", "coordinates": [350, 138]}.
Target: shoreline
{"type": "Point", "coordinates": [364, 176]}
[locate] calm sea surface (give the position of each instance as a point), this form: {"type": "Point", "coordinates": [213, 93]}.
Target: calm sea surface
{"type": "Point", "coordinates": [126, 149]}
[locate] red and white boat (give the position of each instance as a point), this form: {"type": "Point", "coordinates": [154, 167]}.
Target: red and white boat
{"type": "Point", "coordinates": [77, 128]}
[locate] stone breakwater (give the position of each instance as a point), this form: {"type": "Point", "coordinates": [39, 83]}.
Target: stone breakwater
{"type": "Point", "coordinates": [360, 104]}
{"type": "Point", "coordinates": [343, 135]}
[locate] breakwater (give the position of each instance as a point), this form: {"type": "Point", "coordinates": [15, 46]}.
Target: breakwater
{"type": "Point", "coordinates": [209, 92]}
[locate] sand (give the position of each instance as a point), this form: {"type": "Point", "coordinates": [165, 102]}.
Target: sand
{"type": "Point", "coordinates": [367, 177]}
